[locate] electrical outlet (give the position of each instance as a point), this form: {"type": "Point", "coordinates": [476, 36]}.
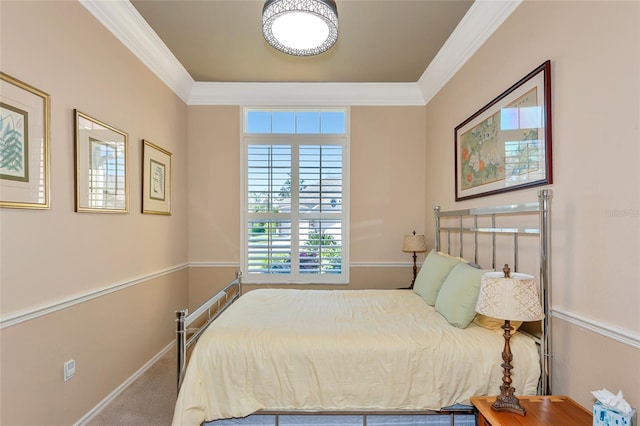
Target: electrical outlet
{"type": "Point", "coordinates": [69, 369]}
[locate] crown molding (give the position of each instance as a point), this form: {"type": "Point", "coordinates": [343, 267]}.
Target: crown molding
{"type": "Point", "coordinates": [124, 21]}
{"type": "Point", "coordinates": [300, 94]}
{"type": "Point", "coordinates": [481, 20]}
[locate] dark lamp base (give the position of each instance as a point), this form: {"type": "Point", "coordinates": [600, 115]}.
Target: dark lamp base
{"type": "Point", "coordinates": [508, 403]}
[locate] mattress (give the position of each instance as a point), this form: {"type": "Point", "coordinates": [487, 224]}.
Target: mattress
{"type": "Point", "coordinates": [359, 350]}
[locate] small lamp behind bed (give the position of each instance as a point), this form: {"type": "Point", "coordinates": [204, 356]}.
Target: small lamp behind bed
{"type": "Point", "coordinates": [511, 297]}
{"type": "Point", "coordinates": [416, 244]}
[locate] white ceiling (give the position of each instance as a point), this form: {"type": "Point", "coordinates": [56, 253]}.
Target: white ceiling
{"type": "Point", "coordinates": [389, 52]}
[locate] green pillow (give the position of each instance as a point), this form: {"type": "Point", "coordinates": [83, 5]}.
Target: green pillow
{"type": "Point", "coordinates": [434, 270]}
{"type": "Point", "coordinates": [458, 295]}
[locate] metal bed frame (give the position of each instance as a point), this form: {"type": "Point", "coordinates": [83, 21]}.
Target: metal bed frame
{"type": "Point", "coordinates": [233, 290]}
{"type": "Point", "coordinates": [543, 231]}
{"type": "Point", "coordinates": [219, 302]}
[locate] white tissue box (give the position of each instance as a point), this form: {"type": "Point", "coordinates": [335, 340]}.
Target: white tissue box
{"type": "Point", "coordinates": [603, 416]}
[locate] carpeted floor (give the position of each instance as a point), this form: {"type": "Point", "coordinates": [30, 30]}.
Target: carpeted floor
{"type": "Point", "coordinates": [149, 401]}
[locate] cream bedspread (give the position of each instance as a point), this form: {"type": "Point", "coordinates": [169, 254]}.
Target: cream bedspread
{"type": "Point", "coordinates": [363, 350]}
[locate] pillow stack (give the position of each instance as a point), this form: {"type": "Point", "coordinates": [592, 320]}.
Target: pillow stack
{"type": "Point", "coordinates": [452, 285]}
{"type": "Point", "coordinates": [432, 274]}
{"type": "Point", "coordinates": [458, 295]}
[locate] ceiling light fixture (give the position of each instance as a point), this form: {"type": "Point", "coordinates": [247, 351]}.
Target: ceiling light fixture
{"type": "Point", "coordinates": [300, 27]}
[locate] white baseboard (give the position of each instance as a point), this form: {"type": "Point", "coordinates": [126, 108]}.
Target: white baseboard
{"type": "Point", "coordinates": [102, 404]}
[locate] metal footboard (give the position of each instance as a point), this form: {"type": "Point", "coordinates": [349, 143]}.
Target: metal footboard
{"type": "Point", "coordinates": [213, 308]}
{"type": "Point", "coordinates": [543, 231]}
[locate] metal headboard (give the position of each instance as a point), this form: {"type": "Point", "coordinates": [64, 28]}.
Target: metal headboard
{"type": "Point", "coordinates": [543, 209]}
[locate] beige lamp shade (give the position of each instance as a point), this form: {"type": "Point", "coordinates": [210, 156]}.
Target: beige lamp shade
{"type": "Point", "coordinates": [414, 243]}
{"type": "Point", "coordinates": [515, 298]}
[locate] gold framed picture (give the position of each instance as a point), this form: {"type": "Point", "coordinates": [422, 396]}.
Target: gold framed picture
{"type": "Point", "coordinates": [101, 166]}
{"type": "Point", "coordinates": [156, 179]}
{"type": "Point", "coordinates": [24, 145]}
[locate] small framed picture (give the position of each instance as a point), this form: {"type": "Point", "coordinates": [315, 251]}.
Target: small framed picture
{"type": "Point", "coordinates": [101, 166]}
{"type": "Point", "coordinates": [24, 145]}
{"type": "Point", "coordinates": [156, 179]}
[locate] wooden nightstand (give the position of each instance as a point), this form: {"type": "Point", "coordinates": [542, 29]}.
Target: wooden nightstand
{"type": "Point", "coordinates": [548, 410]}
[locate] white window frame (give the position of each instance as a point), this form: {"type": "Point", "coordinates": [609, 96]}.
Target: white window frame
{"type": "Point", "coordinates": [342, 139]}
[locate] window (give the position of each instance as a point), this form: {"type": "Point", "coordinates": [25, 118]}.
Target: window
{"type": "Point", "coordinates": [295, 186]}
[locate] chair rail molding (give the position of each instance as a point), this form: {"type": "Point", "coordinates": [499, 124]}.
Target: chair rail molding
{"type": "Point", "coordinates": [351, 265]}
{"type": "Point", "coordinates": [622, 335]}
{"type": "Point", "coordinates": [39, 311]}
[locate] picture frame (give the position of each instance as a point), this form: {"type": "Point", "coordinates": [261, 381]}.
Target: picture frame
{"type": "Point", "coordinates": [506, 145]}
{"type": "Point", "coordinates": [156, 179]}
{"type": "Point", "coordinates": [24, 145]}
{"type": "Point", "coordinates": [101, 163]}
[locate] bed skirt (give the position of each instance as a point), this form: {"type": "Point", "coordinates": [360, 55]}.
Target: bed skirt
{"type": "Point", "coordinates": [458, 415]}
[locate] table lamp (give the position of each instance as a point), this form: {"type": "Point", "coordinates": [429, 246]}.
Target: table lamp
{"type": "Point", "coordinates": [416, 244]}
{"type": "Point", "coordinates": [510, 297]}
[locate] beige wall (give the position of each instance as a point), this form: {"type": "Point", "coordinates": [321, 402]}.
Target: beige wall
{"type": "Point", "coordinates": [214, 184]}
{"type": "Point", "coordinates": [594, 48]}
{"type": "Point", "coordinates": [54, 256]}
{"type": "Point", "coordinates": [387, 183]}
{"type": "Point", "coordinates": [108, 343]}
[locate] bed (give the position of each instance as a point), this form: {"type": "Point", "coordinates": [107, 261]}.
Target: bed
{"type": "Point", "coordinates": [362, 353]}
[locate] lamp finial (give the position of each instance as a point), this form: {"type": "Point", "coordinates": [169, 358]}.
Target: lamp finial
{"type": "Point", "coordinates": [506, 270]}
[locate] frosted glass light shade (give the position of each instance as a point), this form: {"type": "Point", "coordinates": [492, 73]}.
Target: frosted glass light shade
{"type": "Point", "coordinates": [300, 27]}
{"type": "Point", "coordinates": [515, 298]}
